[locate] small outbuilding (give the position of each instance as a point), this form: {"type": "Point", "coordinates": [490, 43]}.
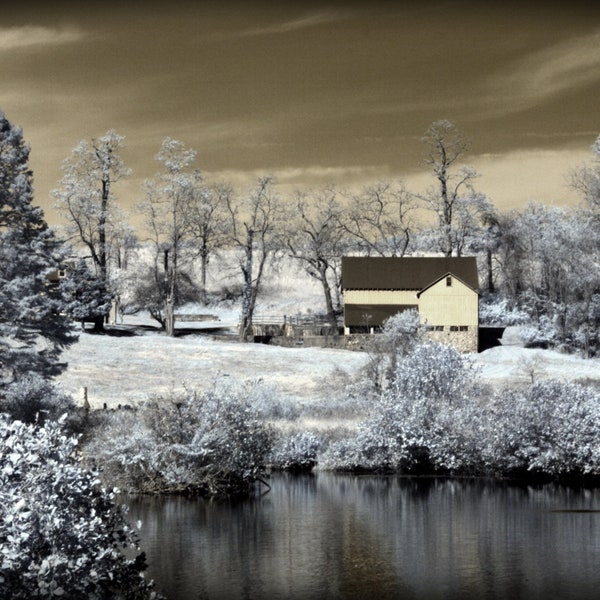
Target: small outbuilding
{"type": "Point", "coordinates": [444, 290]}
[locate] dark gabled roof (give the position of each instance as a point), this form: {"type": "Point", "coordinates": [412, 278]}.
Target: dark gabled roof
{"type": "Point", "coordinates": [407, 273]}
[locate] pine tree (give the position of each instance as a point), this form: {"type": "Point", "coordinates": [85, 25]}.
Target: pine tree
{"type": "Point", "coordinates": [87, 296]}
{"type": "Point", "coordinates": [33, 331]}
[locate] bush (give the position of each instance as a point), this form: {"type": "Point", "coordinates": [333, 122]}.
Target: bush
{"type": "Point", "coordinates": [550, 427]}
{"type": "Point", "coordinates": [60, 533]}
{"type": "Point", "coordinates": [400, 335]}
{"type": "Point", "coordinates": [437, 418]}
{"type": "Point", "coordinates": [496, 311]}
{"type": "Point", "coordinates": [211, 443]}
{"type": "Point", "coordinates": [33, 399]}
{"type": "Point", "coordinates": [297, 452]}
{"type": "Point", "coordinates": [417, 422]}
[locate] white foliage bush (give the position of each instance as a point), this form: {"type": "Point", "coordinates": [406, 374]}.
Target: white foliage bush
{"type": "Point", "coordinates": [210, 443]}
{"type": "Point", "coordinates": [60, 533]}
{"type": "Point", "coordinates": [34, 399]}
{"type": "Point", "coordinates": [436, 417]}
{"type": "Point", "coordinates": [497, 311]}
{"type": "Point", "coordinates": [416, 423]}
{"type": "Point", "coordinates": [549, 427]}
{"type": "Point", "coordinates": [400, 335]}
{"type": "Point", "coordinates": [296, 452]}
{"type": "Point", "coordinates": [543, 334]}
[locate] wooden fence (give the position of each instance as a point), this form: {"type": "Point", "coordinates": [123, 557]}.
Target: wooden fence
{"type": "Point", "coordinates": [291, 320]}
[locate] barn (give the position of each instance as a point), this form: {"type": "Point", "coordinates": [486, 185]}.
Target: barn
{"type": "Point", "coordinates": [444, 290]}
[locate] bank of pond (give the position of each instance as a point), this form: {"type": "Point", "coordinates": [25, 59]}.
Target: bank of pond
{"type": "Point", "coordinates": [219, 443]}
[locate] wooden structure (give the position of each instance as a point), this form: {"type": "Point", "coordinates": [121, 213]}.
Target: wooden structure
{"type": "Point", "coordinates": [442, 289]}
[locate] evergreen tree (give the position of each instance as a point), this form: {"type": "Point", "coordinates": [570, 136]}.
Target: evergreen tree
{"type": "Point", "coordinates": [87, 296]}
{"type": "Point", "coordinates": [32, 330]}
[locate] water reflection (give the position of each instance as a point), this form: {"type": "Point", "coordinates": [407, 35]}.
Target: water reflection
{"type": "Point", "coordinates": [344, 537]}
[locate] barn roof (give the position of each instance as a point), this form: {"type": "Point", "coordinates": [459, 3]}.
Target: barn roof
{"type": "Point", "coordinates": [406, 273]}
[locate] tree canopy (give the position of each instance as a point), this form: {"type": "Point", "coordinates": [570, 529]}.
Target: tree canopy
{"type": "Point", "coordinates": [33, 331]}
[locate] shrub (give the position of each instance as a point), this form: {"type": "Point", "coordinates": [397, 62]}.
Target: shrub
{"type": "Point", "coordinates": [437, 418]}
{"type": "Point", "coordinates": [296, 452]}
{"type": "Point", "coordinates": [418, 422]}
{"type": "Point", "coordinates": [550, 427]}
{"type": "Point", "coordinates": [211, 443]}
{"type": "Point", "coordinates": [33, 399]}
{"type": "Point", "coordinates": [400, 335]}
{"type": "Point", "coordinates": [60, 533]}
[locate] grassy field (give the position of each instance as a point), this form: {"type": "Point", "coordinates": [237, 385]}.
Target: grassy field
{"type": "Point", "coordinates": [127, 364]}
{"type": "Point", "coordinates": [134, 360]}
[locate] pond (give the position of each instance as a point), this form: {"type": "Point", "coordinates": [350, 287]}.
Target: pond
{"type": "Point", "coordinates": [327, 536]}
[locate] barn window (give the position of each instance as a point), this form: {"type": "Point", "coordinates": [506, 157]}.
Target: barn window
{"type": "Point", "coordinates": [438, 328]}
{"type": "Point", "coordinates": [448, 281]}
{"type": "Point", "coordinates": [463, 328]}
{"type": "Point", "coordinates": [453, 327]}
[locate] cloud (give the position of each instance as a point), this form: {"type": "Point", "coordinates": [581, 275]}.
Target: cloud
{"type": "Point", "coordinates": [547, 73]}
{"type": "Point", "coordinates": [310, 20]}
{"type": "Point", "coordinates": [21, 37]}
{"type": "Point", "coordinates": [310, 175]}
{"type": "Point", "coordinates": [313, 20]}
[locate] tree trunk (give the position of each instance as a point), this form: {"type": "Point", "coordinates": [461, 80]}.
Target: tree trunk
{"type": "Point", "coordinates": [203, 269]}
{"type": "Point", "coordinates": [169, 317]}
{"type": "Point", "coordinates": [328, 300]}
{"type": "Point", "coordinates": [99, 323]}
{"type": "Point", "coordinates": [490, 275]}
{"type": "Point", "coordinates": [247, 304]}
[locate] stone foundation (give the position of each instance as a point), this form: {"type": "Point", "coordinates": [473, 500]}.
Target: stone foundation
{"type": "Point", "coordinates": [463, 341]}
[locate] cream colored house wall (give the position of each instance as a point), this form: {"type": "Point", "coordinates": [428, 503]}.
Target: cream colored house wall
{"type": "Point", "coordinates": [401, 297]}
{"type": "Point", "coordinates": [449, 305]}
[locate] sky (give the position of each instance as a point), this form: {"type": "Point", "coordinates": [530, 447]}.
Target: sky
{"type": "Point", "coordinates": [312, 93]}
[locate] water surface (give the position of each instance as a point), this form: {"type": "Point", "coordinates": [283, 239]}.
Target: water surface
{"type": "Point", "coordinates": [348, 537]}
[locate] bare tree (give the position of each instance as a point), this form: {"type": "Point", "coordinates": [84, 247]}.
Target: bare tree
{"type": "Point", "coordinates": [169, 195]}
{"type": "Point", "coordinates": [254, 232]}
{"type": "Point", "coordinates": [314, 236]}
{"type": "Point", "coordinates": [380, 219]}
{"type": "Point", "coordinates": [446, 146]}
{"type": "Point", "coordinates": [472, 215]}
{"type": "Point", "coordinates": [207, 222]}
{"type": "Point", "coordinates": [86, 196]}
{"type": "Point", "coordinates": [586, 180]}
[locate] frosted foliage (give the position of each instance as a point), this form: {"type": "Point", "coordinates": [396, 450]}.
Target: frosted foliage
{"type": "Point", "coordinates": [551, 271]}
{"type": "Point", "coordinates": [403, 331]}
{"type": "Point", "coordinates": [86, 199]}
{"type": "Point", "coordinates": [417, 422]}
{"type": "Point", "coordinates": [32, 330]}
{"type": "Point", "coordinates": [60, 533]}
{"type": "Point", "coordinates": [297, 452]}
{"type": "Point", "coordinates": [211, 443]}
{"type": "Point", "coordinates": [436, 417]}
{"type": "Point", "coordinates": [497, 311]}
{"type": "Point", "coordinates": [87, 295]}
{"type": "Point", "coordinates": [550, 427]}
{"type": "Point", "coordinates": [33, 399]}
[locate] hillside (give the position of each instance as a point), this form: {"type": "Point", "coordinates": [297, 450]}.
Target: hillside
{"type": "Point", "coordinates": [134, 360]}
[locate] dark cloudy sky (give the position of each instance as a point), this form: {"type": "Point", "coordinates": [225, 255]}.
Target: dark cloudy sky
{"type": "Point", "coordinates": [311, 92]}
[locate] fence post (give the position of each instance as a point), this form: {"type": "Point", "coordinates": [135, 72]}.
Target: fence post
{"type": "Point", "coordinates": [84, 398]}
